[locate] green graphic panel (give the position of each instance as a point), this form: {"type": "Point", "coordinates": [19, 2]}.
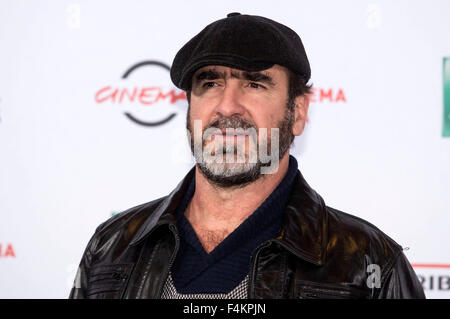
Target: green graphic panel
{"type": "Point", "coordinates": [446, 83]}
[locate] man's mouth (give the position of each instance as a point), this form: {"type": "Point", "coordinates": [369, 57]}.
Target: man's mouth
{"type": "Point", "coordinates": [228, 135]}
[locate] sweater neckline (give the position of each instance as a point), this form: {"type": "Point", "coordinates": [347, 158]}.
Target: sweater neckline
{"type": "Point", "coordinates": [268, 213]}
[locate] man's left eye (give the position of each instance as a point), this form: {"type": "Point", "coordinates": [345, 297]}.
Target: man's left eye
{"type": "Point", "coordinates": [255, 85]}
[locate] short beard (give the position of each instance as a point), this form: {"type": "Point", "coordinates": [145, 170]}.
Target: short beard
{"type": "Point", "coordinates": [238, 175]}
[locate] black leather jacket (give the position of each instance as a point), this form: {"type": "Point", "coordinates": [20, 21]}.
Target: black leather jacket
{"type": "Point", "coordinates": [320, 253]}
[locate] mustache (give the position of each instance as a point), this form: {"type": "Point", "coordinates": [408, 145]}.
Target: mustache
{"type": "Point", "coordinates": [233, 122]}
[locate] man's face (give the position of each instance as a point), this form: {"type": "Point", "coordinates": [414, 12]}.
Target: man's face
{"type": "Point", "coordinates": [223, 99]}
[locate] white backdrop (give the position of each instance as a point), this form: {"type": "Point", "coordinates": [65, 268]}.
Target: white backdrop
{"type": "Point", "coordinates": [70, 157]}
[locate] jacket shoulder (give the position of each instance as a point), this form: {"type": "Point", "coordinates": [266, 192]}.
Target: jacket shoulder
{"type": "Point", "coordinates": [351, 233]}
{"type": "Point", "coordinates": [125, 224]}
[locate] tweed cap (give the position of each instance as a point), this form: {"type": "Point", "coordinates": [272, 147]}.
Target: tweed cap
{"type": "Point", "coordinates": [245, 42]}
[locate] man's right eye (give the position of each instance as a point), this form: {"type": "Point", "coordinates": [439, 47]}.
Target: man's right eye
{"type": "Point", "coordinates": [208, 85]}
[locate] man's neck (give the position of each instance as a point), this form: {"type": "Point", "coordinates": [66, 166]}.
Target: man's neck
{"type": "Point", "coordinates": [215, 211]}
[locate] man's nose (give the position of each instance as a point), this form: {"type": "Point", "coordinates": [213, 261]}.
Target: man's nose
{"type": "Point", "coordinates": [230, 102]}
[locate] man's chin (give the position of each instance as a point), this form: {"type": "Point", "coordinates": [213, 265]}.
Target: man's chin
{"type": "Point", "coordinates": [230, 175]}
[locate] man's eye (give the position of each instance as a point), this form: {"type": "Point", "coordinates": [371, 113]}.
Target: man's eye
{"type": "Point", "coordinates": [208, 85]}
{"type": "Point", "coordinates": [255, 85]}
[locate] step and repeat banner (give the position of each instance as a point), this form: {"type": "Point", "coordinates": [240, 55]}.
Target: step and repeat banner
{"type": "Point", "coordinates": [90, 123]}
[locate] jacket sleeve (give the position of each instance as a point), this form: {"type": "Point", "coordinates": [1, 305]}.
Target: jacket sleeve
{"type": "Point", "coordinates": [400, 281]}
{"type": "Point", "coordinates": [79, 288]}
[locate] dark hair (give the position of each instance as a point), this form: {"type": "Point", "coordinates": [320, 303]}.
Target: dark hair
{"type": "Point", "coordinates": [297, 86]}
{"type": "Point", "coordinates": [188, 95]}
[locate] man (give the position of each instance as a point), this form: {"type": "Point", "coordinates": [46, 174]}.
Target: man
{"type": "Point", "coordinates": [243, 223]}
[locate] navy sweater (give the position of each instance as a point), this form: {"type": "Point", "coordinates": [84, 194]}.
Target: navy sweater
{"type": "Point", "coordinates": [195, 271]}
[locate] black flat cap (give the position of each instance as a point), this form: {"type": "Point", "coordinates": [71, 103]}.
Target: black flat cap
{"type": "Point", "coordinates": [246, 42]}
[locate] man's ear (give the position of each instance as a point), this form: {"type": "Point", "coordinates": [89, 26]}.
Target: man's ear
{"type": "Point", "coordinates": [300, 114]}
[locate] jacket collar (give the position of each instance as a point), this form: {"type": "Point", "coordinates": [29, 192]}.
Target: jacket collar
{"type": "Point", "coordinates": [165, 211]}
{"type": "Point", "coordinates": [304, 227]}
{"type": "Point", "coordinates": [304, 231]}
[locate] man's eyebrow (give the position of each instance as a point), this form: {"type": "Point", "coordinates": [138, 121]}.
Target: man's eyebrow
{"type": "Point", "coordinates": [212, 74]}
{"type": "Point", "coordinates": [254, 77]}
{"type": "Point", "coordinates": [209, 75]}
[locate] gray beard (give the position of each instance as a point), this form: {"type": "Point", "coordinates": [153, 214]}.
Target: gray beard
{"type": "Point", "coordinates": [237, 175]}
{"type": "Point", "coordinates": [233, 174]}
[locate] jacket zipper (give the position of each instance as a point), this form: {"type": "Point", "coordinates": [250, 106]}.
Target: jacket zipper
{"type": "Point", "coordinates": [253, 261]}
{"type": "Point", "coordinates": [172, 259]}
